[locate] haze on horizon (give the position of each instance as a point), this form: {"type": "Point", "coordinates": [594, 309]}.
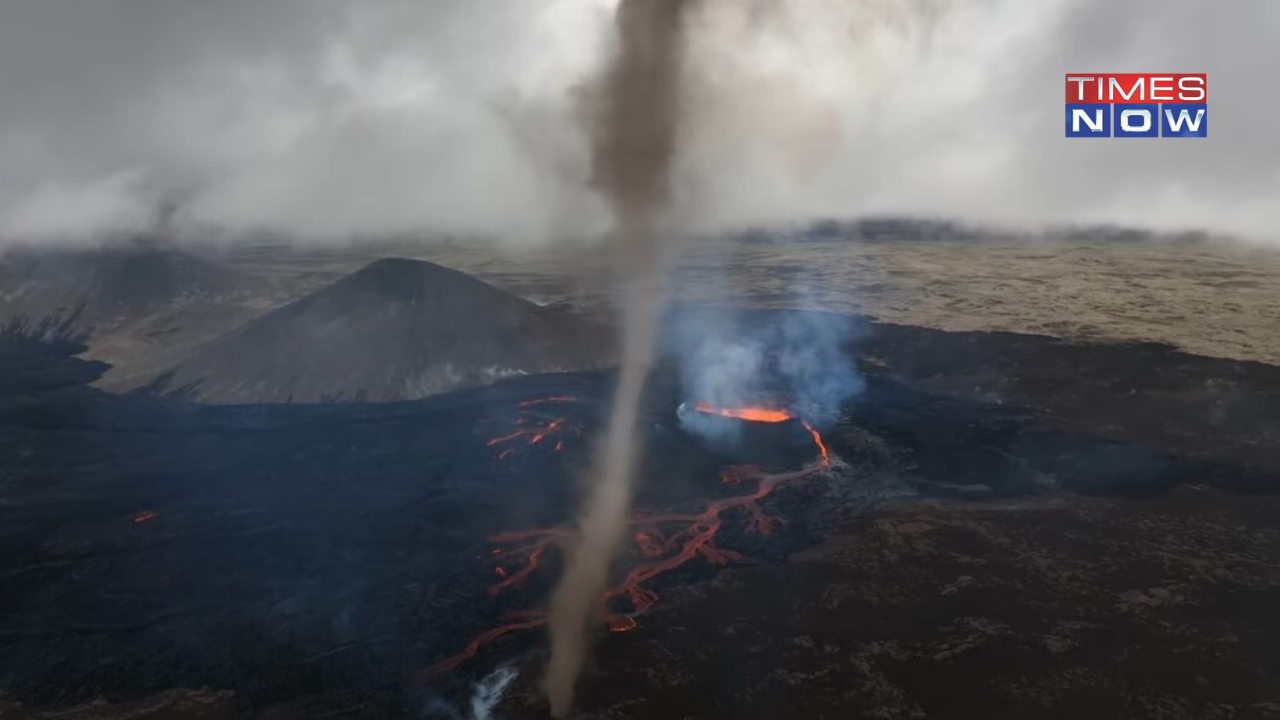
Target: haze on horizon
{"type": "Point", "coordinates": [322, 119]}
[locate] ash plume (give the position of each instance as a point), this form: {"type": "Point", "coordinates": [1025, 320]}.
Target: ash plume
{"type": "Point", "coordinates": [634, 142]}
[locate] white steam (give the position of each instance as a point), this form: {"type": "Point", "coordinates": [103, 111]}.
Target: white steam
{"type": "Point", "coordinates": [489, 691]}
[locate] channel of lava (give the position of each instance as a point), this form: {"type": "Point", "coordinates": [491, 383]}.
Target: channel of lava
{"type": "Point", "coordinates": [661, 543]}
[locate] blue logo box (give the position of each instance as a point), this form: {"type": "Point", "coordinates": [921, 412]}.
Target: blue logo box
{"type": "Point", "coordinates": [1088, 120]}
{"type": "Point", "coordinates": [1184, 120]}
{"type": "Point", "coordinates": [1136, 119]}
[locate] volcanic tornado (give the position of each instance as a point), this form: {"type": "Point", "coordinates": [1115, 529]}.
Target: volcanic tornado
{"type": "Point", "coordinates": [633, 144]}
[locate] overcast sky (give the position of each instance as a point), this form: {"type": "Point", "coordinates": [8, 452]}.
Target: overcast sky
{"type": "Point", "coordinates": [327, 118]}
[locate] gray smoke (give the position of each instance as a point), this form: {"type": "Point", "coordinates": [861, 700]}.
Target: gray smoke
{"type": "Point", "coordinates": [325, 118]}
{"type": "Point", "coordinates": [811, 354]}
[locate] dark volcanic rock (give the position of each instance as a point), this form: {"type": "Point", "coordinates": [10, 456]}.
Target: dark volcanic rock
{"type": "Point", "coordinates": [313, 559]}
{"type": "Point", "coordinates": [1057, 609]}
{"type": "Point", "coordinates": [396, 329]}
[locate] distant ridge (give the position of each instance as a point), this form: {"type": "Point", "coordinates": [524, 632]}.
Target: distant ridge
{"type": "Point", "coordinates": [921, 229]}
{"type": "Point", "coordinates": [108, 285]}
{"type": "Point", "coordinates": [395, 329]}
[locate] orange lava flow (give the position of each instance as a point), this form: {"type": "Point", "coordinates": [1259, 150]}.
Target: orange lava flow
{"type": "Point", "coordinates": [661, 543]}
{"type": "Point", "coordinates": [753, 414]}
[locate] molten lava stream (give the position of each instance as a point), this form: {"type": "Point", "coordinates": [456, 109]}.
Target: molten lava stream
{"type": "Point", "coordinates": [533, 428]}
{"type": "Point", "coordinates": [692, 537]}
{"type": "Point", "coordinates": [532, 554]}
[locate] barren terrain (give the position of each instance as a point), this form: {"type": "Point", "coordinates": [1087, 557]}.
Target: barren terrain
{"type": "Point", "coordinates": [1213, 299]}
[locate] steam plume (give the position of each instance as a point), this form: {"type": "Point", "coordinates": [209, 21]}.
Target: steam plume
{"type": "Point", "coordinates": [730, 359]}
{"type": "Point", "coordinates": [632, 151]}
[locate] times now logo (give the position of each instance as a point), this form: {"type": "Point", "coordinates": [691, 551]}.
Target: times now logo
{"type": "Point", "coordinates": [1137, 105]}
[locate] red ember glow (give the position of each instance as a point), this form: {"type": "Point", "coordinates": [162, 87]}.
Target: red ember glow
{"type": "Point", "coordinates": [552, 399]}
{"type": "Point", "coordinates": [145, 515]}
{"type": "Point", "coordinates": [660, 543]}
